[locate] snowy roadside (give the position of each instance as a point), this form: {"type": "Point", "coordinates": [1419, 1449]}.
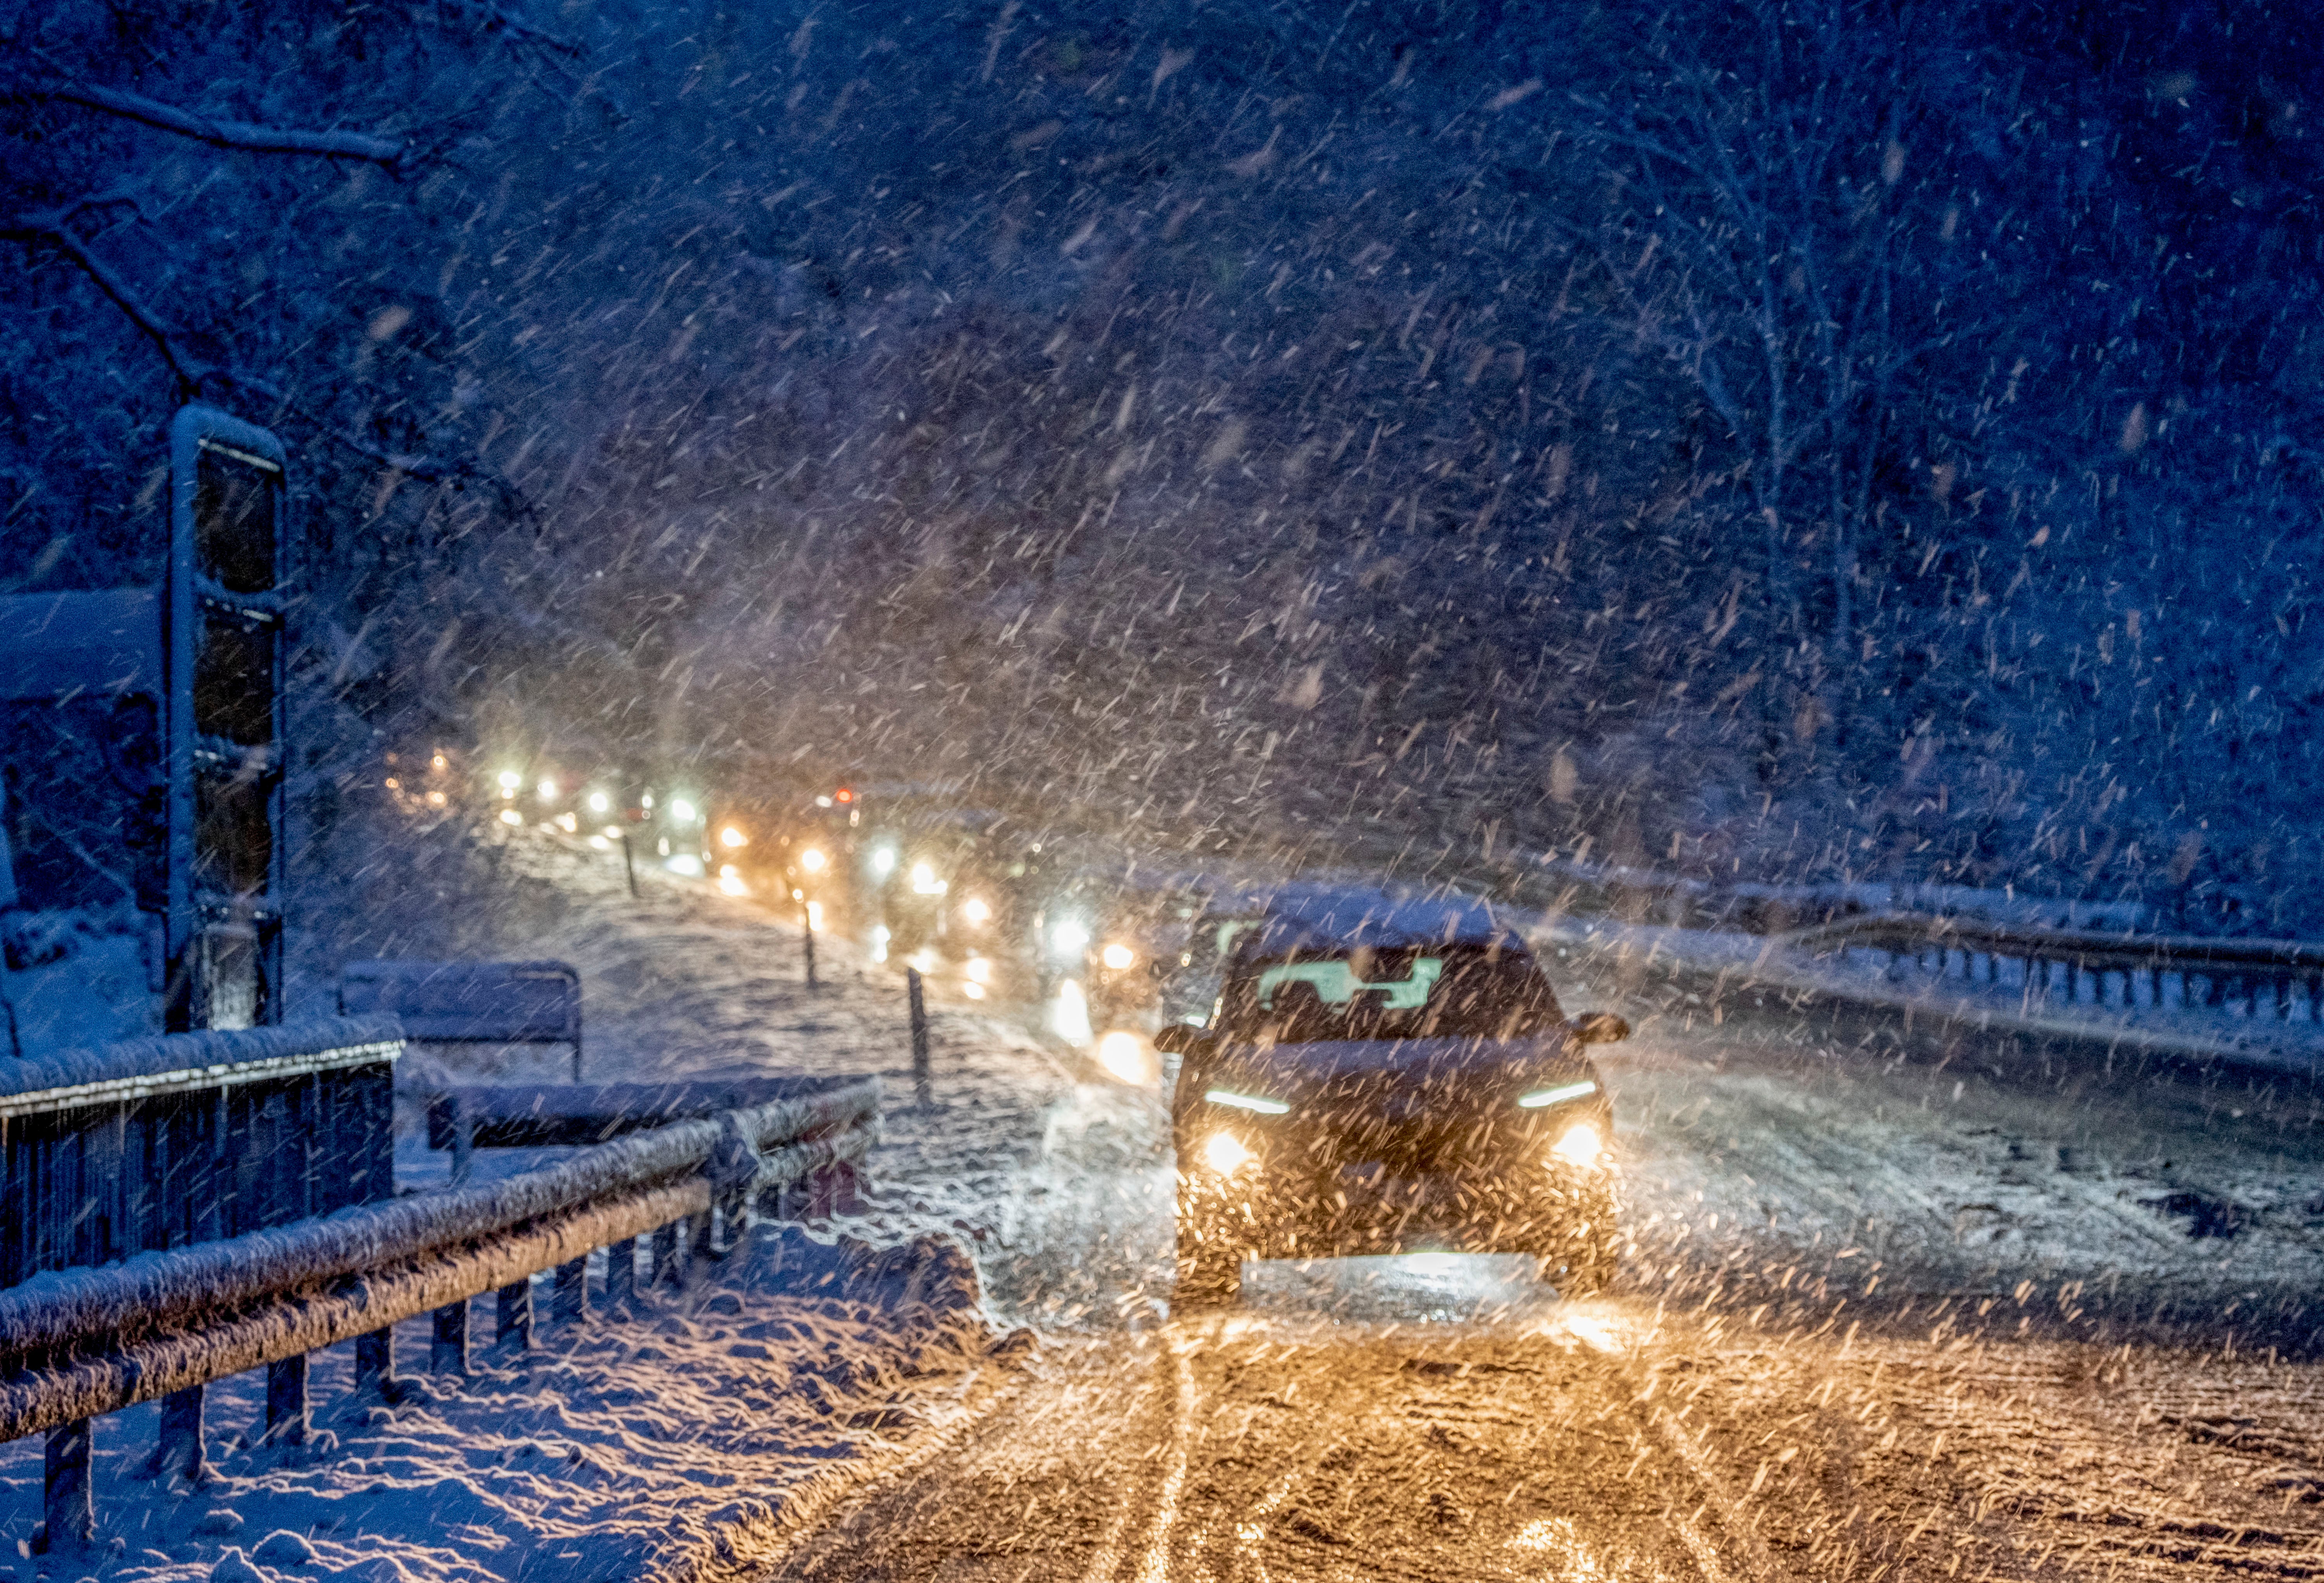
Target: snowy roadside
{"type": "Point", "coordinates": [1759, 963]}
{"type": "Point", "coordinates": [649, 1445]}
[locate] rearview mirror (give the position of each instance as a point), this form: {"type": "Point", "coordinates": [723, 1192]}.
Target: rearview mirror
{"type": "Point", "coordinates": [1179, 1039]}
{"type": "Point", "coordinates": [1600, 1028]}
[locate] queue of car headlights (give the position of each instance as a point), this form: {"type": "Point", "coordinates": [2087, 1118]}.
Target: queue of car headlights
{"type": "Point", "coordinates": [1580, 1144]}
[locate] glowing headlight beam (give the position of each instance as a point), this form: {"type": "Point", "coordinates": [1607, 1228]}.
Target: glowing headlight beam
{"type": "Point", "coordinates": [1225, 1153]}
{"type": "Point", "coordinates": [1123, 1056]}
{"type": "Point", "coordinates": [1119, 957]}
{"type": "Point", "coordinates": [1541, 1098]}
{"type": "Point", "coordinates": [1580, 1145]}
{"type": "Point", "coordinates": [811, 860]}
{"type": "Point", "coordinates": [1247, 1102]}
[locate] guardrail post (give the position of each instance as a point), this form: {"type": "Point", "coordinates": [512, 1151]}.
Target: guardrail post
{"type": "Point", "coordinates": [463, 1140]}
{"type": "Point", "coordinates": [664, 1266]}
{"type": "Point", "coordinates": [179, 1448]}
{"type": "Point", "coordinates": [447, 1351]}
{"type": "Point", "coordinates": [700, 1249]}
{"type": "Point", "coordinates": [286, 1401]}
{"type": "Point", "coordinates": [569, 1299]}
{"type": "Point", "coordinates": [513, 1315]}
{"type": "Point", "coordinates": [832, 1189]}
{"type": "Point", "coordinates": [914, 988]}
{"type": "Point", "coordinates": [375, 1365]}
{"type": "Point", "coordinates": [622, 1273]}
{"type": "Point", "coordinates": [67, 1501]}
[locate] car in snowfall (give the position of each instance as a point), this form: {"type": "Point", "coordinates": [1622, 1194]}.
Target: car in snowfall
{"type": "Point", "coordinates": [1389, 1077]}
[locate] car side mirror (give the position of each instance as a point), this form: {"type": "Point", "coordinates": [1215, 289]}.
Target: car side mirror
{"type": "Point", "coordinates": [1180, 1039]}
{"type": "Point", "coordinates": [1600, 1028]}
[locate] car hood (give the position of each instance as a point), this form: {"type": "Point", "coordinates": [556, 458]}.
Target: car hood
{"type": "Point", "coordinates": [1466, 1071]}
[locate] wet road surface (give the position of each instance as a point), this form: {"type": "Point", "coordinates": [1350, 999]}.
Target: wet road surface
{"type": "Point", "coordinates": [1285, 1441]}
{"type": "Point", "coordinates": [1884, 1313]}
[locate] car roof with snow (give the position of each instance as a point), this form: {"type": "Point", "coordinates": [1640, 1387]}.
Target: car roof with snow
{"type": "Point", "coordinates": [1340, 917]}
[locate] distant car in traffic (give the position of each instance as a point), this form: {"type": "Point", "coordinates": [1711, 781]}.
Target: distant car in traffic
{"type": "Point", "coordinates": [1386, 1078]}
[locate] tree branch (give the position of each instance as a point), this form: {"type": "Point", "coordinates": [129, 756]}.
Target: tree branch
{"type": "Point", "coordinates": [191, 371]}
{"type": "Point", "coordinates": [51, 228]}
{"type": "Point", "coordinates": [241, 135]}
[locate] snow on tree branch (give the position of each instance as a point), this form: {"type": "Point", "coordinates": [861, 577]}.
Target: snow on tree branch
{"type": "Point", "coordinates": [189, 371]}
{"type": "Point", "coordinates": [50, 227]}
{"type": "Point", "coordinates": [241, 135]}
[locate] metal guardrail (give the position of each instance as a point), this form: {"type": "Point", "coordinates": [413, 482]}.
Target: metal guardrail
{"type": "Point", "coordinates": [191, 1137]}
{"type": "Point", "coordinates": [2267, 978]}
{"type": "Point", "coordinates": [471, 1002]}
{"type": "Point", "coordinates": [77, 1344]}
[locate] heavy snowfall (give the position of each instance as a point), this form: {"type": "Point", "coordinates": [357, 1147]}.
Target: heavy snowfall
{"type": "Point", "coordinates": [1074, 561]}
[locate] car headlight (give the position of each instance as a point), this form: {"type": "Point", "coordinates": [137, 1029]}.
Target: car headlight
{"type": "Point", "coordinates": [1541, 1098]}
{"type": "Point", "coordinates": [732, 836]}
{"type": "Point", "coordinates": [883, 862]}
{"type": "Point", "coordinates": [925, 882]}
{"type": "Point", "coordinates": [1118, 956]}
{"type": "Point", "coordinates": [1069, 939]}
{"type": "Point", "coordinates": [1581, 1145]}
{"type": "Point", "coordinates": [1251, 1102]}
{"type": "Point", "coordinates": [1225, 1153]}
{"type": "Point", "coordinates": [811, 860]}
{"type": "Point", "coordinates": [976, 911]}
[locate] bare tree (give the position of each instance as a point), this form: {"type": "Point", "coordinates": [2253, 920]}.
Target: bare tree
{"type": "Point", "coordinates": [1760, 243]}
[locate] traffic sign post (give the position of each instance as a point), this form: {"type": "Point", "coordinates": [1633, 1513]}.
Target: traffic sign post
{"type": "Point", "coordinates": [186, 684]}
{"type": "Point", "coordinates": [226, 754]}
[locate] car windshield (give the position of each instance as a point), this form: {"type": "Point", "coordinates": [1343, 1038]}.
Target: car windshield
{"type": "Point", "coordinates": [1449, 992]}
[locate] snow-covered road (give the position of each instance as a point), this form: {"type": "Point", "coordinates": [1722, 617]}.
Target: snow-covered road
{"type": "Point", "coordinates": [1891, 1307]}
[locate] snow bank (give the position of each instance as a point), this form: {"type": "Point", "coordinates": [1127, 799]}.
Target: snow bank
{"type": "Point", "coordinates": [623, 1450]}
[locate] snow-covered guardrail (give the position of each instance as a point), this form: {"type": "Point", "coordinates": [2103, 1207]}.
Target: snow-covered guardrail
{"type": "Point", "coordinates": [2260, 979]}
{"type": "Point", "coordinates": [189, 1137]}
{"type": "Point", "coordinates": [80, 1342]}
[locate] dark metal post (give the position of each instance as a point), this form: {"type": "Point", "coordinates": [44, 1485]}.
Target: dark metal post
{"type": "Point", "coordinates": [514, 1317]}
{"type": "Point", "coordinates": [179, 1448]}
{"type": "Point", "coordinates": [569, 1299]}
{"type": "Point", "coordinates": [447, 1351]}
{"type": "Point", "coordinates": [286, 1401]}
{"type": "Point", "coordinates": [916, 990]}
{"type": "Point", "coordinates": [65, 1497]}
{"type": "Point", "coordinates": [375, 1365]}
{"type": "Point", "coordinates": [622, 1271]}
{"type": "Point", "coordinates": [806, 920]}
{"type": "Point", "coordinates": [628, 865]}
{"type": "Point", "coordinates": [463, 1140]}
{"type": "Point", "coordinates": [668, 1251]}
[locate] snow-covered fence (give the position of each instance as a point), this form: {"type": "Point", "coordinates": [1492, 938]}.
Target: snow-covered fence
{"type": "Point", "coordinates": [544, 1116]}
{"type": "Point", "coordinates": [2263, 978]}
{"type": "Point", "coordinates": [191, 1137]}
{"type": "Point", "coordinates": [1653, 895]}
{"type": "Point", "coordinates": [78, 1344]}
{"type": "Point", "coordinates": [471, 1002]}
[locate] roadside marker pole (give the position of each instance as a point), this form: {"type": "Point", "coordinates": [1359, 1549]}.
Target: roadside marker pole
{"type": "Point", "coordinates": [628, 865]}
{"type": "Point", "coordinates": [919, 1035]}
{"type": "Point", "coordinates": [808, 919]}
